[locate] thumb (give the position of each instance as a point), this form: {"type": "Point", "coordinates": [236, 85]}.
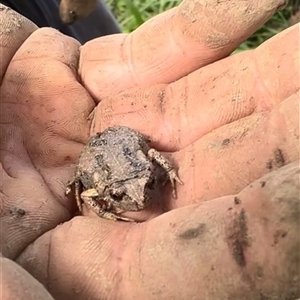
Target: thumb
{"type": "Point", "coordinates": [172, 44]}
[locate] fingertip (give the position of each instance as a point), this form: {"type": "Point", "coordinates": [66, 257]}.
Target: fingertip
{"type": "Point", "coordinates": [15, 29]}
{"type": "Point", "coordinates": [15, 281]}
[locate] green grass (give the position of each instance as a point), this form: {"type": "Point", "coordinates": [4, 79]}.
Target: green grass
{"type": "Point", "coordinates": [132, 13]}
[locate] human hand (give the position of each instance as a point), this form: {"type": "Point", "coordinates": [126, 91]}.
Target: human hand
{"type": "Point", "coordinates": [214, 126]}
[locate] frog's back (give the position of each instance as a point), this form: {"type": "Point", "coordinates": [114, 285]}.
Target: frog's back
{"type": "Point", "coordinates": [121, 134]}
{"type": "Point", "coordinates": [113, 139]}
{"type": "Point", "coordinates": [119, 150]}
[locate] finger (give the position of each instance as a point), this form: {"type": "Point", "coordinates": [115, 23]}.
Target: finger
{"type": "Point", "coordinates": [48, 107]}
{"type": "Point", "coordinates": [14, 30]}
{"type": "Point", "coordinates": [228, 159]}
{"type": "Point", "coordinates": [243, 85]}
{"type": "Point", "coordinates": [15, 282]}
{"type": "Point", "coordinates": [172, 44]}
{"type": "Point", "coordinates": [44, 124]}
{"type": "Point", "coordinates": [27, 207]}
{"type": "Point", "coordinates": [218, 248]}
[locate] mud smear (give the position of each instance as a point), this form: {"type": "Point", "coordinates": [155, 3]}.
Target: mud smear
{"type": "Point", "coordinates": [17, 211]}
{"type": "Point", "coordinates": [226, 142]}
{"type": "Point", "coordinates": [237, 237]}
{"type": "Point", "coordinates": [161, 98]}
{"type": "Point", "coordinates": [193, 233]}
{"type": "Point", "coordinates": [278, 160]}
{"type": "Point", "coordinates": [269, 164]}
{"type": "Point", "coordinates": [237, 200]}
{"type": "Point", "coordinates": [278, 235]}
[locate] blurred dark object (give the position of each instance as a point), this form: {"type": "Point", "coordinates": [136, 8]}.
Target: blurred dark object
{"type": "Point", "coordinates": [71, 11]}
{"type": "Point", "coordinates": [295, 13]}
{"type": "Point", "coordinates": [45, 13]}
{"type": "Point", "coordinates": [295, 18]}
{"type": "Point", "coordinates": [295, 6]}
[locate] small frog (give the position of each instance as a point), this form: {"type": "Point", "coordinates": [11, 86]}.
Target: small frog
{"type": "Point", "coordinates": [119, 172]}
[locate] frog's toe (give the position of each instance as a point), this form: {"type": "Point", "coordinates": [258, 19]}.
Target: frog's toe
{"type": "Point", "coordinates": [174, 178]}
{"type": "Point", "coordinates": [68, 190]}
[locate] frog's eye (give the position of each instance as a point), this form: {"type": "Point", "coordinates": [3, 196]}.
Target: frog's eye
{"type": "Point", "coordinates": [117, 193]}
{"type": "Point", "coordinates": [116, 197]}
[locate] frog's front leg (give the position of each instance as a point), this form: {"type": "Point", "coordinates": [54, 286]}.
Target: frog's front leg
{"type": "Point", "coordinates": [100, 207]}
{"type": "Point", "coordinates": [167, 166]}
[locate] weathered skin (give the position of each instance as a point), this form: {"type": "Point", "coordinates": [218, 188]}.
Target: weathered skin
{"type": "Point", "coordinates": [230, 124]}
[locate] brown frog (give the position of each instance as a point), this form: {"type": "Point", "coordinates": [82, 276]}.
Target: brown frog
{"type": "Point", "coordinates": [117, 172]}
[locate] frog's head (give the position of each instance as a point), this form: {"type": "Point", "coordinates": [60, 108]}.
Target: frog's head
{"type": "Point", "coordinates": [133, 194]}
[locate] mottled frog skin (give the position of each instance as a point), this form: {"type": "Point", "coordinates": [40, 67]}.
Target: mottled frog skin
{"type": "Point", "coordinates": [117, 172]}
